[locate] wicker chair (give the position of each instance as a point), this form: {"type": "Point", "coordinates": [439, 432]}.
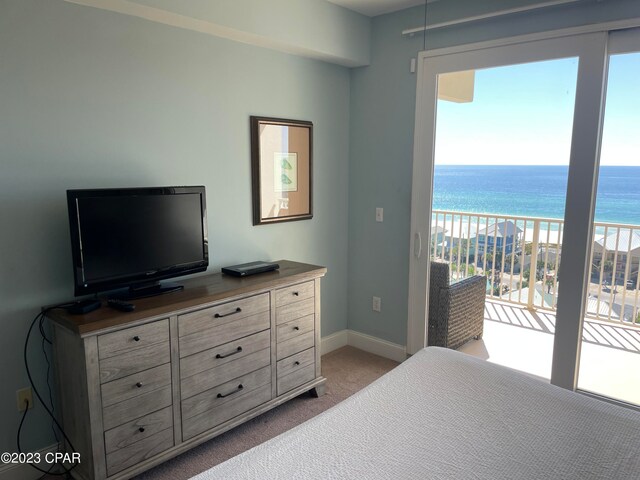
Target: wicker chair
{"type": "Point", "coordinates": [456, 311]}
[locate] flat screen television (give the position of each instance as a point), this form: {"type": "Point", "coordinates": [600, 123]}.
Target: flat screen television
{"type": "Point", "coordinates": [134, 237]}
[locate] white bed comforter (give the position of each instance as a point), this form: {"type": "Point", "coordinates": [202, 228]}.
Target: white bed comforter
{"type": "Point", "coordinates": [445, 415]}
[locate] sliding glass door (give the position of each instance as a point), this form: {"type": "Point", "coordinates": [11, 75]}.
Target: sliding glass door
{"type": "Point", "coordinates": [559, 288]}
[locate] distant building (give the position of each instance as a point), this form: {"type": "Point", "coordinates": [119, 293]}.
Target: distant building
{"type": "Point", "coordinates": [627, 245]}
{"type": "Point", "coordinates": [505, 234]}
{"type": "Point", "coordinates": [453, 235]}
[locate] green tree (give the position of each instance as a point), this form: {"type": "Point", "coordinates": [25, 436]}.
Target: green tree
{"type": "Point", "coordinates": [527, 274]}
{"type": "Point", "coordinates": [489, 258]}
{"type": "Point", "coordinates": [549, 283]}
{"type": "Point", "coordinates": [498, 261]}
{"type": "Point", "coordinates": [514, 257]}
{"type": "Point", "coordinates": [607, 267]}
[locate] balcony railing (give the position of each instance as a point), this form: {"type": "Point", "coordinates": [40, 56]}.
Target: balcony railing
{"type": "Point", "coordinates": [521, 257]}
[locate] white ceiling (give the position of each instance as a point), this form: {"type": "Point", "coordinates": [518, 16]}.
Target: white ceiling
{"type": "Point", "coordinates": [372, 8]}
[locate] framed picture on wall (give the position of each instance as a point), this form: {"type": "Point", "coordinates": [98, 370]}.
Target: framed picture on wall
{"type": "Point", "coordinates": [281, 169]}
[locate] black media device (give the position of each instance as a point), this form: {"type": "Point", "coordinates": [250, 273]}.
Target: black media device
{"type": "Point", "coordinates": [251, 268]}
{"type": "Point", "coordinates": [134, 237]}
{"type": "Point", "coordinates": [83, 306]}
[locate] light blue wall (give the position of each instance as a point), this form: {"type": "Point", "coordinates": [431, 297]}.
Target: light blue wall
{"type": "Point", "coordinates": [382, 121]}
{"type": "Point", "coordinates": [382, 106]}
{"type": "Point", "coordinates": [90, 98]}
{"type": "Point", "coordinates": [318, 27]}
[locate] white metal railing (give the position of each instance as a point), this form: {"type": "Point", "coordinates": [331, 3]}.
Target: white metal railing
{"type": "Point", "coordinates": [520, 256]}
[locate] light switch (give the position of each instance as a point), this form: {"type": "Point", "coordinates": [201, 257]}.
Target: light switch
{"type": "Point", "coordinates": [379, 214]}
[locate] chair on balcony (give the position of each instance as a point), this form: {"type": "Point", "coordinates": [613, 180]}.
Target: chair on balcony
{"type": "Point", "coordinates": [456, 311]}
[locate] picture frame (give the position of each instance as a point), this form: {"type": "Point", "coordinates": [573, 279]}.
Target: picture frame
{"type": "Point", "coordinates": [281, 169]}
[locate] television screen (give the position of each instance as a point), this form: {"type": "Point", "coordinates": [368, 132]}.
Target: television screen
{"type": "Point", "coordinates": [123, 237]}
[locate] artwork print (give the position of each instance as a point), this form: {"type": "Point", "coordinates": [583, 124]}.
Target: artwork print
{"type": "Point", "coordinates": [285, 172]}
{"type": "Point", "coordinates": [281, 170]}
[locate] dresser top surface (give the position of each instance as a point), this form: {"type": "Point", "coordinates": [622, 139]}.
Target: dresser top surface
{"type": "Point", "coordinates": [198, 291]}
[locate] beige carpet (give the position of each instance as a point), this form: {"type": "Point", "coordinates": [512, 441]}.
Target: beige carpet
{"type": "Point", "coordinates": [347, 370]}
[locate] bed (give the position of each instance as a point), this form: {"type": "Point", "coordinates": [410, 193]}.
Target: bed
{"type": "Point", "coordinates": [446, 415]}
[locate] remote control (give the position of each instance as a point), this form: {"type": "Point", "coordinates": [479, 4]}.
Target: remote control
{"type": "Point", "coordinates": [121, 305]}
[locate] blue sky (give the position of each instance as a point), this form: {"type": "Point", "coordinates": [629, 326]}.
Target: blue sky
{"type": "Point", "coordinates": [523, 114]}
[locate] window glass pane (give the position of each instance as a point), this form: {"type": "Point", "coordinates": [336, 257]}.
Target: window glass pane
{"type": "Point", "coordinates": [610, 354]}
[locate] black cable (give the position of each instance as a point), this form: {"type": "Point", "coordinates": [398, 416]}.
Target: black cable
{"type": "Point", "coordinates": [40, 317]}
{"type": "Point", "coordinates": [41, 328]}
{"type": "Point", "coordinates": [46, 359]}
{"type": "Point", "coordinates": [24, 415]}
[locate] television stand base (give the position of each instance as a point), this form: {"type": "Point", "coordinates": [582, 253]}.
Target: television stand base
{"type": "Point", "coordinates": [149, 290]}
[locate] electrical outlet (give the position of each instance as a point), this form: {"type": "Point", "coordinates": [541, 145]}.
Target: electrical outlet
{"type": "Point", "coordinates": [377, 304]}
{"type": "Point", "coordinates": [379, 214]}
{"type": "Point", "coordinates": [22, 395]}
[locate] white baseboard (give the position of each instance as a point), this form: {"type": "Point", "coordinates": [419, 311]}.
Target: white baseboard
{"type": "Point", "coordinates": [377, 346]}
{"type": "Point", "coordinates": [364, 342]}
{"type": "Point", "coordinates": [334, 341]}
{"type": "Point", "coordinates": [17, 471]}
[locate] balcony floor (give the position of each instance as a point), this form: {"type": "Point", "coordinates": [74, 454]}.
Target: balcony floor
{"type": "Point", "coordinates": [521, 339]}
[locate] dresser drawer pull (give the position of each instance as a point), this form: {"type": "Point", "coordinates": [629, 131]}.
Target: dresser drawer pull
{"type": "Point", "coordinates": [296, 363]}
{"type": "Point", "coordinates": [141, 429]}
{"type": "Point", "coordinates": [240, 387]}
{"type": "Point", "coordinates": [296, 294]}
{"type": "Point", "coordinates": [220, 315]}
{"type": "Point", "coordinates": [136, 338]}
{"type": "Point", "coordinates": [296, 328]}
{"type": "Point", "coordinates": [237, 350]}
{"type": "Point", "coordinates": [139, 384]}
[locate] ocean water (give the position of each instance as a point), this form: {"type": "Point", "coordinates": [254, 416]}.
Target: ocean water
{"type": "Point", "coordinates": [533, 191]}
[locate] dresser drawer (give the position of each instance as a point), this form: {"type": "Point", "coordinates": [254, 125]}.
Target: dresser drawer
{"type": "Point", "coordinates": [208, 318]}
{"type": "Point", "coordinates": [208, 379]}
{"type": "Point", "coordinates": [228, 391]}
{"type": "Point", "coordinates": [139, 451]}
{"type": "Point", "coordinates": [136, 384]}
{"type": "Point", "coordinates": [131, 339]}
{"type": "Point", "coordinates": [138, 429]}
{"type": "Point", "coordinates": [219, 334]}
{"type": "Point", "coordinates": [295, 293]}
{"type": "Point", "coordinates": [291, 311]}
{"type": "Point", "coordinates": [244, 402]}
{"type": "Point", "coordinates": [295, 345]}
{"type": "Point", "coordinates": [123, 412]}
{"type": "Point", "coordinates": [296, 362]}
{"type": "Point", "coordinates": [134, 361]}
{"type": "Point", "coordinates": [294, 328]}
{"type": "Point", "coordinates": [229, 352]}
{"type": "Point", "coordinates": [297, 377]}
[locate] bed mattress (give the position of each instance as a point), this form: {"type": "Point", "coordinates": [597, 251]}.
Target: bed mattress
{"type": "Point", "coordinates": [446, 415]}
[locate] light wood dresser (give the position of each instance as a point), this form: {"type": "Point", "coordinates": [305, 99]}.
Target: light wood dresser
{"type": "Point", "coordinates": [138, 388]}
